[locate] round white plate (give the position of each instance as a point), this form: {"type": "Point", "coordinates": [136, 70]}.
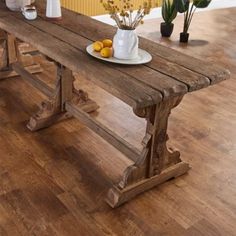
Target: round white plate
{"type": "Point", "coordinates": [143, 57]}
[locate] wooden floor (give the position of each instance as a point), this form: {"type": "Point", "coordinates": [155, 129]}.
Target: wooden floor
{"type": "Point", "coordinates": [53, 182]}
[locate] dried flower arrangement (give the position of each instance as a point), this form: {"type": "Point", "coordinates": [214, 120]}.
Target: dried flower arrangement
{"type": "Point", "coordinates": [124, 15]}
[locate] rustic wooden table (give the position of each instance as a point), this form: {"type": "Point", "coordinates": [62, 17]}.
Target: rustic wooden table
{"type": "Point", "coordinates": [152, 90]}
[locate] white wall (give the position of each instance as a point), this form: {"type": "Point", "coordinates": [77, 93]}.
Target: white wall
{"type": "Point", "coordinates": [156, 12]}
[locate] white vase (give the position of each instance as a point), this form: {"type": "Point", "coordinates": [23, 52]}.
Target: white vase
{"type": "Point", "coordinates": [53, 9]}
{"type": "Point", "coordinates": [125, 44]}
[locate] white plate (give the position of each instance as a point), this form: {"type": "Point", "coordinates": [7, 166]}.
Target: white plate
{"type": "Point", "coordinates": [143, 57]}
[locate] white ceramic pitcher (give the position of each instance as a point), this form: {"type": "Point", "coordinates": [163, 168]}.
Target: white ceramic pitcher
{"type": "Point", "coordinates": [53, 10]}
{"type": "Point", "coordinates": [125, 44]}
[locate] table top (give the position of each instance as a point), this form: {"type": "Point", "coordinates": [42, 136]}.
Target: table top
{"type": "Point", "coordinates": [169, 74]}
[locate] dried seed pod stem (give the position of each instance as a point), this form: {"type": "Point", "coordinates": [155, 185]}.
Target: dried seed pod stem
{"type": "Point", "coordinates": [123, 13]}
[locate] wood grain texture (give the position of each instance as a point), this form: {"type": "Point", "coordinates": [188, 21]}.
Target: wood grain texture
{"type": "Point", "coordinates": [11, 48]}
{"type": "Point", "coordinates": [171, 77]}
{"type": "Point", "coordinates": [104, 132]}
{"type": "Point", "coordinates": [32, 79]}
{"type": "Point", "coordinates": [32, 69]}
{"type": "Point", "coordinates": [53, 183]}
{"type": "Point", "coordinates": [3, 52]}
{"type": "Point", "coordinates": [120, 84]}
{"type": "Point", "coordinates": [117, 196]}
{"type": "Point", "coordinates": [97, 30]}
{"type": "Point", "coordinates": [52, 110]}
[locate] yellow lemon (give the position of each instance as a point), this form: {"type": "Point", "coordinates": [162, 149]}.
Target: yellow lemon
{"type": "Point", "coordinates": [106, 52]}
{"type": "Point", "coordinates": [97, 46]}
{"type": "Point", "coordinates": [107, 43]}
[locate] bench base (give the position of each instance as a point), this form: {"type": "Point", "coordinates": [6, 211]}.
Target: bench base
{"type": "Point", "coordinates": [46, 116]}
{"type": "Point", "coordinates": [117, 196]}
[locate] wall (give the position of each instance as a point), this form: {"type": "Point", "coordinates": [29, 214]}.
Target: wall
{"type": "Point", "coordinates": [93, 7]}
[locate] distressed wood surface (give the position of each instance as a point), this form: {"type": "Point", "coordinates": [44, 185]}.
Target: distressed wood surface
{"type": "Point", "coordinates": [170, 74]}
{"type": "Point", "coordinates": [53, 109]}
{"type": "Point", "coordinates": [156, 164]}
{"type": "Point", "coordinates": [33, 69]}
{"type": "Point", "coordinates": [97, 30]}
{"type": "Point", "coordinates": [11, 49]}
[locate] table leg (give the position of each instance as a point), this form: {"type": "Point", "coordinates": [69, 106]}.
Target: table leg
{"type": "Point", "coordinates": [157, 163]}
{"type": "Point", "coordinates": [53, 109]}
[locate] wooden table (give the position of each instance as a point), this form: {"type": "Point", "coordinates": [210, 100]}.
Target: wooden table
{"type": "Point", "coordinates": [152, 90]}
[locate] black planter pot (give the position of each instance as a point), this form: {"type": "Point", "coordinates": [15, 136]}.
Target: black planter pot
{"type": "Point", "coordinates": [184, 37]}
{"type": "Point", "coordinates": [166, 29]}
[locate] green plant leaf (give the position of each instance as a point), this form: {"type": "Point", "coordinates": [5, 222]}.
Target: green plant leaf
{"type": "Point", "coordinates": [201, 3]}
{"type": "Point", "coordinates": [173, 12]}
{"type": "Point", "coordinates": [169, 12]}
{"type": "Point", "coordinates": [181, 5]}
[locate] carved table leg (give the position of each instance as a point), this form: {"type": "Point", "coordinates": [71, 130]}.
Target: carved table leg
{"type": "Point", "coordinates": [157, 163]}
{"type": "Point", "coordinates": [53, 110]}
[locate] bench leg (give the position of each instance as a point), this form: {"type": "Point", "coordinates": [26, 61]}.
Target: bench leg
{"type": "Point", "coordinates": [53, 110]}
{"type": "Point", "coordinates": [157, 163]}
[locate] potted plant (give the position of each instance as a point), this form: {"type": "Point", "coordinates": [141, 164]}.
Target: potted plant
{"type": "Point", "coordinates": [169, 13]}
{"type": "Point", "coordinates": [184, 6]}
{"type": "Point", "coordinates": [125, 42]}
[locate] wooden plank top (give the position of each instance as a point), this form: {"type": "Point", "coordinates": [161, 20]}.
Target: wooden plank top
{"type": "Point", "coordinates": [169, 74]}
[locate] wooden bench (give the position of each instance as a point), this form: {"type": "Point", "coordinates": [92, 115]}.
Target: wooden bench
{"type": "Point", "coordinates": [152, 90]}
